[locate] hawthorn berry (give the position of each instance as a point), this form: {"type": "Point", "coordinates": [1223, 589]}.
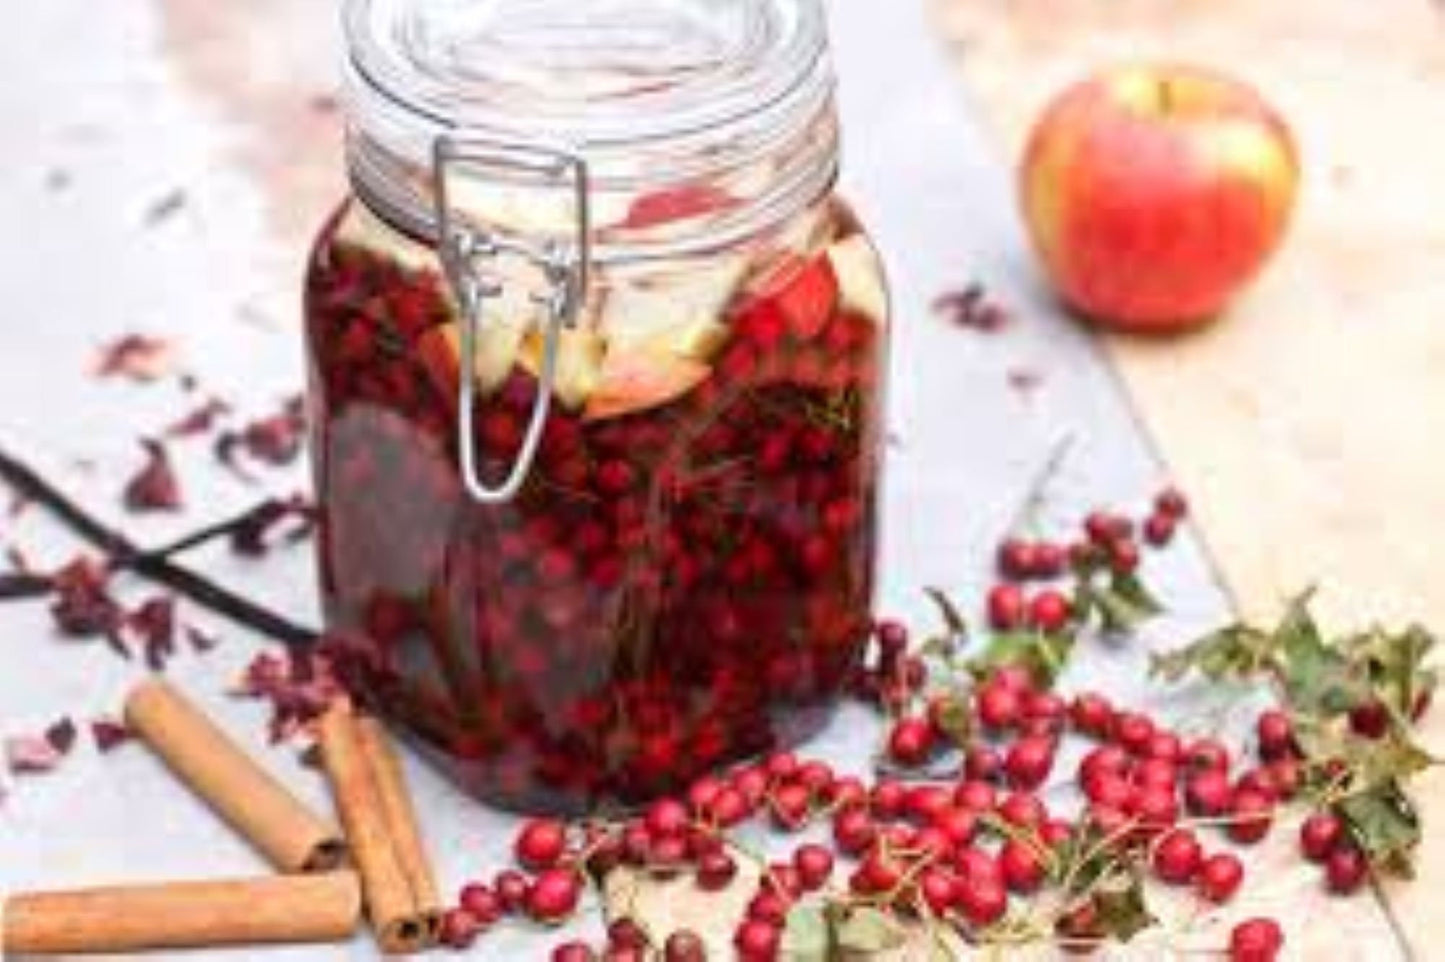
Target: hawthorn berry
{"type": "Point", "coordinates": [1220, 876]}
{"type": "Point", "coordinates": [458, 929]}
{"type": "Point", "coordinates": [939, 889]}
{"type": "Point", "coordinates": [854, 830]}
{"type": "Point", "coordinates": [1208, 793]}
{"type": "Point", "coordinates": [998, 706]}
{"type": "Point", "coordinates": [1028, 761]}
{"type": "Point", "coordinates": [1255, 940]}
{"type": "Point", "coordinates": [1050, 612]}
{"type": "Point", "coordinates": [814, 864]}
{"type": "Point", "coordinates": [684, 945]}
{"type": "Point", "coordinates": [1251, 814]}
{"type": "Point", "coordinates": [1177, 857]}
{"type": "Point", "coordinates": [757, 940]}
{"type": "Point", "coordinates": [983, 901]}
{"type": "Point", "coordinates": [553, 895]}
{"type": "Point", "coordinates": [1275, 733]}
{"type": "Point", "coordinates": [911, 741]}
{"type": "Point", "coordinates": [574, 951]}
{"type": "Point", "coordinates": [1345, 869]}
{"type": "Point", "coordinates": [1006, 607]}
{"type": "Point", "coordinates": [1021, 865]}
{"type": "Point", "coordinates": [716, 871]}
{"type": "Point", "coordinates": [1320, 834]}
{"type": "Point", "coordinates": [540, 844]}
{"type": "Point", "coordinates": [481, 903]}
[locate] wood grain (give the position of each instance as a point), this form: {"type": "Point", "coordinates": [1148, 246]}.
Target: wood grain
{"type": "Point", "coordinates": [1308, 426]}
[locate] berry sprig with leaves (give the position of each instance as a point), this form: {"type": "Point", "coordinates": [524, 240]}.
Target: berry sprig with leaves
{"type": "Point", "coordinates": [1353, 703]}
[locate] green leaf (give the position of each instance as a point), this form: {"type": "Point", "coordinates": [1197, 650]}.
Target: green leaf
{"type": "Point", "coordinates": [864, 931]}
{"type": "Point", "coordinates": [955, 718]}
{"type": "Point", "coordinates": [807, 934]}
{"type": "Point", "coordinates": [953, 619]}
{"type": "Point", "coordinates": [1395, 665]}
{"type": "Point", "coordinates": [1384, 822]}
{"type": "Point", "coordinates": [1120, 902]}
{"type": "Point", "coordinates": [1122, 605]}
{"type": "Point", "coordinates": [1234, 653]}
{"type": "Point", "coordinates": [1044, 655]}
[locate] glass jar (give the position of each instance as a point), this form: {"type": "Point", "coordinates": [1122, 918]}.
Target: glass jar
{"type": "Point", "coordinates": [596, 362]}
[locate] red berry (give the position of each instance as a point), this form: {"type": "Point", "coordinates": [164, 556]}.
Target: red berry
{"type": "Point", "coordinates": [887, 799]}
{"type": "Point", "coordinates": [684, 945]}
{"type": "Point", "coordinates": [1022, 810]}
{"type": "Point", "coordinates": [1029, 761]}
{"type": "Point", "coordinates": [481, 903]}
{"type": "Point", "coordinates": [1156, 809]}
{"type": "Point", "coordinates": [1156, 773]}
{"type": "Point", "coordinates": [1255, 940]}
{"type": "Point", "coordinates": [667, 818]}
{"type": "Point", "coordinates": [939, 889]}
{"type": "Point", "coordinates": [1219, 877]}
{"type": "Point", "coordinates": [957, 824]}
{"type": "Point", "coordinates": [1345, 869]}
{"type": "Point", "coordinates": [1208, 793]}
{"type": "Point", "coordinates": [574, 952]}
{"type": "Point", "coordinates": [1105, 760]}
{"type": "Point", "coordinates": [1021, 865]}
{"type": "Point", "coordinates": [716, 871]}
{"type": "Point", "coordinates": [702, 793]}
{"type": "Point", "coordinates": [998, 706]}
{"type": "Point", "coordinates": [791, 804]}
{"type": "Point", "coordinates": [769, 906]}
{"type": "Point", "coordinates": [1050, 611]}
{"type": "Point", "coordinates": [1102, 527]}
{"type": "Point", "coordinates": [553, 895]}
{"type": "Point", "coordinates": [1092, 714]}
{"type": "Point", "coordinates": [983, 901]}
{"type": "Point", "coordinates": [1370, 720]}
{"type": "Point", "coordinates": [1171, 503]}
{"type": "Point", "coordinates": [1055, 833]}
{"type": "Point", "coordinates": [814, 865]}
{"type": "Point", "coordinates": [624, 933]}
{"type": "Point", "coordinates": [540, 844]}
{"type": "Point", "coordinates": [1320, 835]}
{"type": "Point", "coordinates": [923, 802]}
{"type": "Point", "coordinates": [511, 888]}
{"type": "Point", "coordinates": [1017, 559]}
{"type": "Point", "coordinates": [729, 808]}
{"type": "Point", "coordinates": [1017, 677]}
{"type": "Point", "coordinates": [1050, 560]}
{"type": "Point", "coordinates": [973, 864]}
{"type": "Point", "coordinates": [853, 830]}
{"type": "Point", "coordinates": [892, 638]}
{"type": "Point", "coordinates": [1006, 608]}
{"type": "Point", "coordinates": [1275, 733]}
{"type": "Point", "coordinates": [975, 795]}
{"type": "Point", "coordinates": [875, 874]}
{"type": "Point", "coordinates": [1164, 745]}
{"type": "Point", "coordinates": [1284, 774]}
{"type": "Point", "coordinates": [757, 941]}
{"type": "Point", "coordinates": [911, 741]}
{"type": "Point", "coordinates": [1250, 816]}
{"type": "Point", "coordinates": [1106, 788]}
{"type": "Point", "coordinates": [1177, 857]}
{"type": "Point", "coordinates": [1123, 555]}
{"type": "Point", "coordinates": [458, 929]}
{"type": "Point", "coordinates": [1207, 753]}
{"type": "Point", "coordinates": [981, 763]}
{"type": "Point", "coordinates": [1133, 731]}
{"type": "Point", "coordinates": [1159, 530]}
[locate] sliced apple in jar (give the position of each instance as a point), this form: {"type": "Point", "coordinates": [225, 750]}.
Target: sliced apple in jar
{"type": "Point", "coordinates": [640, 380]}
{"type": "Point", "coordinates": [859, 274]}
{"type": "Point", "coordinates": [579, 362]}
{"type": "Point", "coordinates": [678, 313]}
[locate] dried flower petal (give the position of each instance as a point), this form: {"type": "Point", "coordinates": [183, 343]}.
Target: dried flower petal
{"type": "Point", "coordinates": [1025, 380]}
{"type": "Point", "coordinates": [298, 684]}
{"type": "Point", "coordinates": [200, 641]}
{"type": "Point", "coordinates": [138, 357]}
{"type": "Point", "coordinates": [200, 420]}
{"type": "Point", "coordinates": [971, 308]}
{"type": "Point", "coordinates": [109, 733]}
{"type": "Point", "coordinates": [154, 487]}
{"type": "Point", "coordinates": [83, 606]}
{"type": "Point", "coordinates": [61, 735]}
{"type": "Point", "coordinates": [154, 625]}
{"type": "Point", "coordinates": [29, 754]}
{"type": "Point", "coordinates": [165, 207]}
{"type": "Point", "coordinates": [250, 536]}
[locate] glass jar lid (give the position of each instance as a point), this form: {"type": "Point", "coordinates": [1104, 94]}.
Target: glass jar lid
{"type": "Point", "coordinates": [652, 94]}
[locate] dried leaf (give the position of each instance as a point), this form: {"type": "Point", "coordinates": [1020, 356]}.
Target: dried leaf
{"type": "Point", "coordinates": [953, 619]}
{"type": "Point", "coordinates": [83, 606]}
{"type": "Point", "coordinates": [61, 735]}
{"type": "Point", "coordinates": [30, 754]}
{"type": "Point", "coordinates": [1122, 605]}
{"type": "Point", "coordinates": [153, 624]}
{"type": "Point", "coordinates": [1122, 909]}
{"type": "Point", "coordinates": [199, 420]}
{"type": "Point", "coordinates": [1386, 825]}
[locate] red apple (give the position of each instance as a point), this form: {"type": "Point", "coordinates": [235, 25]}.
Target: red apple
{"type": "Point", "coordinates": [1153, 193]}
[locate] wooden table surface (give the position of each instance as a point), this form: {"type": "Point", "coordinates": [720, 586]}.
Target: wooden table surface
{"type": "Point", "coordinates": [108, 109]}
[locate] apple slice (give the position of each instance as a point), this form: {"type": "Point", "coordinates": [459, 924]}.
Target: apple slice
{"type": "Point", "coordinates": [680, 313]}
{"type": "Point", "coordinates": [639, 380]}
{"type": "Point", "coordinates": [860, 277]}
{"type": "Point", "coordinates": [579, 362]}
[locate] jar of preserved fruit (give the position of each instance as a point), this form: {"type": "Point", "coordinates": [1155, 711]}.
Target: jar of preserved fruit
{"type": "Point", "coordinates": [596, 360]}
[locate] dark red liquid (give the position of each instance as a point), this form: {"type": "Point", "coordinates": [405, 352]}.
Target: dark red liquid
{"type": "Point", "coordinates": [673, 588]}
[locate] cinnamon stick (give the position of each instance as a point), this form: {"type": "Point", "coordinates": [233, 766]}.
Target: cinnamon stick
{"type": "Point", "coordinates": [322, 907]}
{"type": "Point", "coordinates": [288, 833]}
{"type": "Point", "coordinates": [401, 820]}
{"type": "Point", "coordinates": [397, 918]}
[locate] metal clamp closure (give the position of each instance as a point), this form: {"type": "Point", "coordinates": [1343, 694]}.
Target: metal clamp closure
{"type": "Point", "coordinates": [468, 250]}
